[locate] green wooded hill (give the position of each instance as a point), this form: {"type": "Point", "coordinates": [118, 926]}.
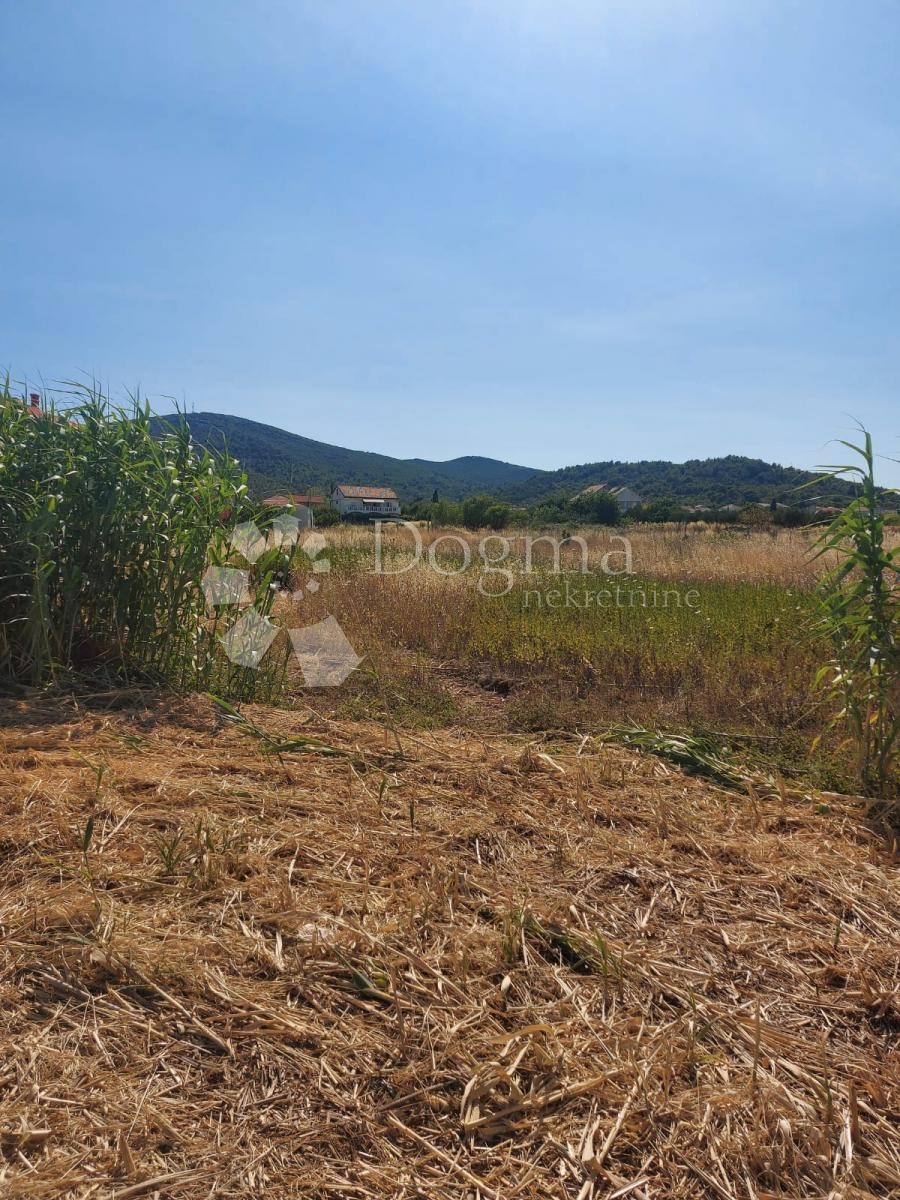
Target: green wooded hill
{"type": "Point", "coordinates": [276, 460]}
{"type": "Point", "coordinates": [731, 479]}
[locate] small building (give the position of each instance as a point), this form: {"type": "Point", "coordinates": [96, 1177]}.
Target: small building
{"type": "Point", "coordinates": [364, 502]}
{"type": "Point", "coordinates": [298, 504]}
{"type": "Point", "coordinates": [293, 500]}
{"type": "Point", "coordinates": [624, 495]}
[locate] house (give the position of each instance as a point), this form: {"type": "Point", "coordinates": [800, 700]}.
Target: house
{"type": "Point", "coordinates": [37, 412]}
{"type": "Point", "coordinates": [298, 504]}
{"type": "Point", "coordinates": [626, 497]}
{"type": "Point", "coordinates": [292, 500]}
{"type": "Point", "coordinates": [361, 502]}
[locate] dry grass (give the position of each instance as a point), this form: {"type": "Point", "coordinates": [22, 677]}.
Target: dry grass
{"type": "Point", "coordinates": [742, 662]}
{"type": "Point", "coordinates": [445, 966]}
{"type": "Point", "coordinates": [699, 553]}
{"type": "Point", "coordinates": [714, 632]}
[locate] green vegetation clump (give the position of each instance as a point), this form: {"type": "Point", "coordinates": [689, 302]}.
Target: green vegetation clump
{"type": "Point", "coordinates": [860, 619]}
{"type": "Point", "coordinates": [481, 511]}
{"type": "Point", "coordinates": [484, 512]}
{"type": "Point", "coordinates": [105, 533]}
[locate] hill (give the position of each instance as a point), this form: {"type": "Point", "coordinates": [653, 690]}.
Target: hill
{"type": "Point", "coordinates": [731, 479]}
{"type": "Point", "coordinates": [275, 459]}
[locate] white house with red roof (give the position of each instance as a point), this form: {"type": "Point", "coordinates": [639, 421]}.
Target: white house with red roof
{"type": "Point", "coordinates": [364, 502]}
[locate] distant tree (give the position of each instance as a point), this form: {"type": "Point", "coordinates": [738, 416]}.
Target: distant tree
{"type": "Point", "coordinates": [658, 511]}
{"type": "Point", "coordinates": [497, 515]}
{"type": "Point", "coordinates": [445, 513]}
{"type": "Point", "coordinates": [475, 510]}
{"type": "Point", "coordinates": [713, 516]}
{"type": "Point", "coordinates": [434, 496]}
{"type": "Point", "coordinates": [554, 510]}
{"type": "Point", "coordinates": [519, 518]}
{"type": "Point", "coordinates": [599, 508]}
{"type": "Point", "coordinates": [324, 515]}
{"type": "Point", "coordinates": [792, 518]}
{"type": "Point", "coordinates": [755, 514]}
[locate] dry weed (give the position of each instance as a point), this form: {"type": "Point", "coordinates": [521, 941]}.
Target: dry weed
{"type": "Point", "coordinates": [441, 966]}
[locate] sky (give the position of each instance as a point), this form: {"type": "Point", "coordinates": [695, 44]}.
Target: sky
{"type": "Point", "coordinates": [548, 231]}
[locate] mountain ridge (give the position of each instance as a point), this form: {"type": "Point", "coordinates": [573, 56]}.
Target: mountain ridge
{"type": "Point", "coordinates": [276, 460]}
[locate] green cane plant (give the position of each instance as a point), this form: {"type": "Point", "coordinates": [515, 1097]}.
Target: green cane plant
{"type": "Point", "coordinates": [858, 617]}
{"type": "Point", "coordinates": [106, 530]}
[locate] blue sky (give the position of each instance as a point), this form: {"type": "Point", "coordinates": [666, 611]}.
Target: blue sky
{"type": "Point", "coordinates": [551, 231]}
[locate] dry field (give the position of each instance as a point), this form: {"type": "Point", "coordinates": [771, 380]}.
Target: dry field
{"type": "Point", "coordinates": [718, 637]}
{"type": "Point", "coordinates": [433, 965]}
{"type": "Point", "coordinates": [709, 553]}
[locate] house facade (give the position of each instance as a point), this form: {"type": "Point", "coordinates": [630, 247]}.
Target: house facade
{"type": "Point", "coordinates": [363, 502]}
{"type": "Point", "coordinates": [298, 504]}
{"type": "Point", "coordinates": [627, 498]}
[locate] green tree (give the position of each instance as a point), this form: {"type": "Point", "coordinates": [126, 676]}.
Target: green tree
{"type": "Point", "coordinates": [598, 508]}
{"type": "Point", "coordinates": [446, 513]}
{"type": "Point", "coordinates": [324, 515]}
{"type": "Point", "coordinates": [658, 511]}
{"type": "Point", "coordinates": [497, 515]}
{"type": "Point", "coordinates": [475, 510]}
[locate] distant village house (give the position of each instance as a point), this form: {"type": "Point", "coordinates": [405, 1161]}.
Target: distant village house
{"type": "Point", "coordinates": [299, 504]}
{"type": "Point", "coordinates": [361, 502]}
{"type": "Point", "coordinates": [292, 500]}
{"type": "Point", "coordinates": [34, 410]}
{"type": "Point", "coordinates": [626, 497]}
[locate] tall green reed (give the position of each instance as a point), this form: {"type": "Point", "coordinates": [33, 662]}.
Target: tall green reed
{"type": "Point", "coordinates": [859, 608]}
{"type": "Point", "coordinates": [105, 533]}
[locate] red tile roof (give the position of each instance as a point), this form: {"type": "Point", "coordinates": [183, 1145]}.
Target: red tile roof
{"type": "Point", "coordinates": [359, 492]}
{"type": "Point", "coordinates": [290, 501]}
